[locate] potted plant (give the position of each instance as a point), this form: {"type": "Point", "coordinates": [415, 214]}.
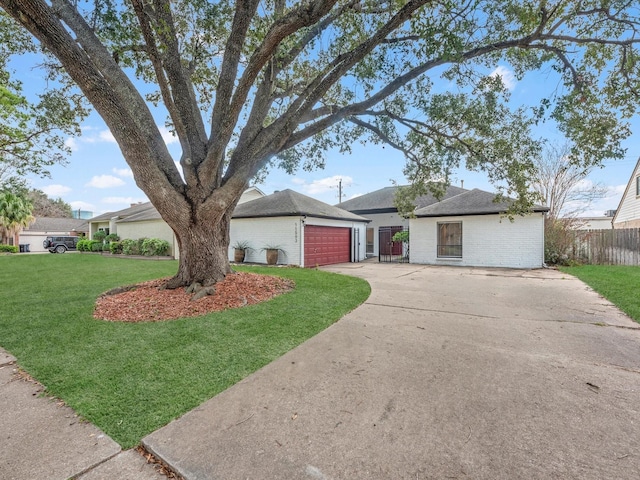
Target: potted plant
{"type": "Point", "coordinates": [272, 253]}
{"type": "Point", "coordinates": [240, 249]}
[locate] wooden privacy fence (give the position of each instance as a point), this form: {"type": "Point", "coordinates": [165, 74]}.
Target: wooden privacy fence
{"type": "Point", "coordinates": [607, 247]}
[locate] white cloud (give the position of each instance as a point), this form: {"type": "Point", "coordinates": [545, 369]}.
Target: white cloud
{"type": "Point", "coordinates": [298, 181]}
{"type": "Point", "coordinates": [610, 201]}
{"type": "Point", "coordinates": [168, 136]}
{"type": "Point", "coordinates": [324, 184]}
{"type": "Point", "coordinates": [123, 172]}
{"type": "Point", "coordinates": [123, 200]}
{"type": "Point", "coordinates": [507, 76]}
{"type": "Point", "coordinates": [616, 191]}
{"type": "Point", "coordinates": [106, 136]}
{"type": "Point", "coordinates": [56, 190]}
{"type": "Point", "coordinates": [79, 204]}
{"type": "Point", "coordinates": [105, 181]}
{"type": "Point", "coordinates": [72, 144]}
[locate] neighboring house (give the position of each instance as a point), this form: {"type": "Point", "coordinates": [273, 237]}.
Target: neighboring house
{"type": "Point", "coordinates": [592, 223]}
{"type": "Point", "coordinates": [379, 207]}
{"type": "Point", "coordinates": [628, 212]}
{"type": "Point", "coordinates": [44, 227]}
{"type": "Point", "coordinates": [308, 232]}
{"type": "Point", "coordinates": [469, 229]}
{"type": "Point", "coordinates": [142, 220]}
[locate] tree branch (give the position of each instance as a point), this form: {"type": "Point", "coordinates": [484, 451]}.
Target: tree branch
{"type": "Point", "coordinates": [408, 153]}
{"type": "Point", "coordinates": [181, 88]}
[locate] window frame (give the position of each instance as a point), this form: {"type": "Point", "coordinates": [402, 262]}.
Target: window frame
{"type": "Point", "coordinates": [638, 186]}
{"type": "Point", "coordinates": [440, 248]}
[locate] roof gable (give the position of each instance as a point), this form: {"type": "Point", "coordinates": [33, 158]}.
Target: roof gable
{"type": "Point", "coordinates": [287, 203]}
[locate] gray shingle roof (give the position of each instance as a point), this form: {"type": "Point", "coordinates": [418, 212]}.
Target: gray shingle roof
{"type": "Point", "coordinates": [140, 207]}
{"type": "Point", "coordinates": [147, 214]}
{"type": "Point", "coordinates": [472, 202]}
{"type": "Point", "coordinates": [287, 203]}
{"type": "Point", "coordinates": [383, 200]}
{"type": "Point", "coordinates": [49, 224]}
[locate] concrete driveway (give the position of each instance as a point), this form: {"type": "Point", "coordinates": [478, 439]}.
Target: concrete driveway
{"type": "Point", "coordinates": [442, 373]}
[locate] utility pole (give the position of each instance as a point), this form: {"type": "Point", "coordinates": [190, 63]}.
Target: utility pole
{"type": "Point", "coordinates": [340, 191]}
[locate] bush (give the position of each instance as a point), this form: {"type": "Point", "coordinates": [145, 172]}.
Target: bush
{"type": "Point", "coordinates": [8, 249]}
{"type": "Point", "coordinates": [129, 247]}
{"type": "Point", "coordinates": [140, 241]}
{"type": "Point", "coordinates": [84, 245]}
{"type": "Point", "coordinates": [112, 237]}
{"type": "Point", "coordinates": [115, 248]}
{"type": "Point", "coordinates": [96, 246]}
{"type": "Point", "coordinates": [100, 235]}
{"type": "Point", "coordinates": [559, 240]}
{"type": "Point", "coordinates": [154, 247]}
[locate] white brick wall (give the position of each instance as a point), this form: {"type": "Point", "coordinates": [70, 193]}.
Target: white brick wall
{"type": "Point", "coordinates": [285, 232]}
{"type": "Point", "coordinates": [487, 241]}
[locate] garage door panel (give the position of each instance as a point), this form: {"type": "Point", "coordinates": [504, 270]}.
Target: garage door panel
{"type": "Point", "coordinates": [326, 245]}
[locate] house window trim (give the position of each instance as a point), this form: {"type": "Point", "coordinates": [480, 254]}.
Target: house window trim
{"type": "Point", "coordinates": [638, 186]}
{"type": "Point", "coordinates": [438, 245]}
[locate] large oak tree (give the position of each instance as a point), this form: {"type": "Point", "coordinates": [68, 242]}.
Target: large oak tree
{"type": "Point", "coordinates": [253, 84]}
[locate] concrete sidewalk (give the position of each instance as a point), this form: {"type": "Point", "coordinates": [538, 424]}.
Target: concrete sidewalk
{"type": "Point", "coordinates": [43, 439]}
{"type": "Point", "coordinates": [442, 373]}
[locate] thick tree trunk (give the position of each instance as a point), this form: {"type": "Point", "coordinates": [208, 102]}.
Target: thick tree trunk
{"type": "Point", "coordinates": [204, 257]}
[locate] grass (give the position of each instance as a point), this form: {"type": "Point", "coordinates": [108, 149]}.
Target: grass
{"type": "Point", "coordinates": [130, 379]}
{"type": "Point", "coordinates": [617, 283]}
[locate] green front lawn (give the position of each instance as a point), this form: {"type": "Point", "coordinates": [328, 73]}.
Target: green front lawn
{"type": "Point", "coordinates": [132, 378]}
{"type": "Point", "coordinates": [617, 283]}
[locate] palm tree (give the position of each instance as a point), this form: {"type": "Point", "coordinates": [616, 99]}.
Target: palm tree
{"type": "Point", "coordinates": [15, 214]}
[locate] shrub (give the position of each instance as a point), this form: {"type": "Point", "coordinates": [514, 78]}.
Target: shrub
{"type": "Point", "coordinates": [96, 245]}
{"type": "Point", "coordinates": [115, 248]}
{"type": "Point", "coordinates": [100, 235]}
{"type": "Point", "coordinates": [8, 249]}
{"type": "Point", "coordinates": [154, 247]}
{"type": "Point", "coordinates": [559, 240]}
{"type": "Point", "coordinates": [84, 245]}
{"type": "Point", "coordinates": [140, 241]}
{"type": "Point", "coordinates": [112, 237]}
{"type": "Point", "coordinates": [129, 247]}
{"type": "Point", "coordinates": [402, 236]}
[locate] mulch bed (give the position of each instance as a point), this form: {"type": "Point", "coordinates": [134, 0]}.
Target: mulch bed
{"type": "Point", "coordinates": [148, 302]}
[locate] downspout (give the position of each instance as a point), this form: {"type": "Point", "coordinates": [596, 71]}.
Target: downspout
{"type": "Point", "coordinates": [302, 219]}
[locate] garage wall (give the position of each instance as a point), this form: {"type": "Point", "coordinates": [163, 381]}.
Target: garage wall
{"type": "Point", "coordinates": [35, 240]}
{"type": "Point", "coordinates": [360, 226]}
{"type": "Point", "coordinates": [284, 232]}
{"type": "Point", "coordinates": [148, 229]}
{"type": "Point", "coordinates": [487, 241]}
{"type": "Point", "coordinates": [287, 233]}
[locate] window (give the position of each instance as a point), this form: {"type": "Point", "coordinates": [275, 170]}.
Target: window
{"type": "Point", "coordinates": [637, 186]}
{"type": "Point", "coordinates": [450, 239]}
{"type": "Point", "coordinates": [370, 241]}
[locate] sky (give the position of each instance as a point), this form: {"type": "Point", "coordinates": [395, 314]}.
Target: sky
{"type": "Point", "coordinates": [97, 179]}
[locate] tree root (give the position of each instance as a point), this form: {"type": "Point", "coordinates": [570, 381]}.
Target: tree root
{"type": "Point", "coordinates": [203, 292]}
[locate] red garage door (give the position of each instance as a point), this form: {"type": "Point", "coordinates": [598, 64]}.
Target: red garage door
{"type": "Point", "coordinates": [326, 245]}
